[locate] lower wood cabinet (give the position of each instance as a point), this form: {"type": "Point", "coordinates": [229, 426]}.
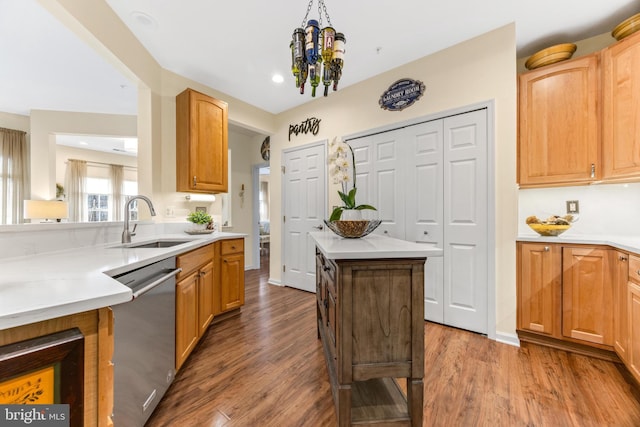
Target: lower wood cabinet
{"type": "Point", "coordinates": [633, 317]}
{"type": "Point", "coordinates": [587, 294]}
{"type": "Point", "coordinates": [620, 309]}
{"type": "Point", "coordinates": [195, 299]}
{"type": "Point", "coordinates": [580, 298]}
{"type": "Point", "coordinates": [633, 359]}
{"type": "Point", "coordinates": [211, 282]}
{"type": "Point", "coordinates": [231, 274]}
{"type": "Point", "coordinates": [370, 320]}
{"type": "Point", "coordinates": [565, 294]}
{"type": "Point", "coordinates": [539, 290]}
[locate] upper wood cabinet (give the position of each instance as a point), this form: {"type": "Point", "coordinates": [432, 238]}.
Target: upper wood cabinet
{"type": "Point", "coordinates": [621, 118]}
{"type": "Point", "coordinates": [559, 123]}
{"type": "Point", "coordinates": [201, 143]}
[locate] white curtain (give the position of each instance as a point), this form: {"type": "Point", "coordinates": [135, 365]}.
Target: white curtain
{"type": "Point", "coordinates": [116, 175]}
{"type": "Point", "coordinates": [13, 173]}
{"type": "Point", "coordinates": [76, 185]}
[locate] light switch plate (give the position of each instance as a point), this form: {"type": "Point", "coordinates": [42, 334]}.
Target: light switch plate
{"type": "Point", "coordinates": [573, 207]}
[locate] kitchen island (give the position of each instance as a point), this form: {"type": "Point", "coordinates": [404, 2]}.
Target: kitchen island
{"type": "Point", "coordinates": [370, 315]}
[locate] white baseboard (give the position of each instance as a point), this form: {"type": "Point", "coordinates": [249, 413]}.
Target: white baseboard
{"type": "Point", "coordinates": [507, 338]}
{"type": "Point", "coordinates": [274, 282]}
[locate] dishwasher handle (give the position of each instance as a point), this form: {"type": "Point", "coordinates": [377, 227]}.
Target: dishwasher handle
{"type": "Point", "coordinates": [156, 282]}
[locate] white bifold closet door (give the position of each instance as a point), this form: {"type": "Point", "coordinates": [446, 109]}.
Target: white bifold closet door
{"type": "Point", "coordinates": [429, 182]}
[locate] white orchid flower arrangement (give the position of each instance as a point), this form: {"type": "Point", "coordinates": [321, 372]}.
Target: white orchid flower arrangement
{"type": "Point", "coordinates": [342, 169]}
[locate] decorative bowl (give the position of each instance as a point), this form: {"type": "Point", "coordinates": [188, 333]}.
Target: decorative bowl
{"type": "Point", "coordinates": [550, 55]}
{"type": "Point", "coordinates": [626, 27]}
{"type": "Point", "coordinates": [353, 229]}
{"type": "Point", "coordinates": [549, 229]}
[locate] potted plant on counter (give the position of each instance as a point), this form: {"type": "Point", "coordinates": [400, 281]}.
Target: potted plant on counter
{"type": "Point", "coordinates": [346, 220]}
{"type": "Point", "coordinates": [201, 219]}
{"type": "Point", "coordinates": [342, 170]}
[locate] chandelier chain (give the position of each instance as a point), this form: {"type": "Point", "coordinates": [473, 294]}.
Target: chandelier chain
{"type": "Point", "coordinates": [326, 14]}
{"type": "Point", "coordinates": [304, 20]}
{"type": "Point", "coordinates": [321, 8]}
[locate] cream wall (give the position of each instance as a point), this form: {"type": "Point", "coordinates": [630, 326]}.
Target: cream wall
{"type": "Point", "coordinates": [64, 153]}
{"type": "Point", "coordinates": [478, 70]}
{"type": "Point", "coordinates": [14, 121]}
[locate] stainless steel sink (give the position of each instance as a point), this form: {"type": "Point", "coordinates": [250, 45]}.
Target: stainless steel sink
{"type": "Point", "coordinates": [154, 244]}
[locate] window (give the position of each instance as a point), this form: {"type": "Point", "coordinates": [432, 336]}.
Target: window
{"type": "Point", "coordinates": [97, 199]}
{"type": "Point", "coordinates": [100, 203]}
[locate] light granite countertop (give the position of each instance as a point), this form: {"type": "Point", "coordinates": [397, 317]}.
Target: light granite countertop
{"type": "Point", "coordinates": [372, 246]}
{"type": "Point", "coordinates": [54, 284]}
{"type": "Point", "coordinates": [625, 243]}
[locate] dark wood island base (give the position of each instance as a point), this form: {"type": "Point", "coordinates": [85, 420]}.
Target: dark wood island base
{"type": "Point", "coordinates": [370, 315]}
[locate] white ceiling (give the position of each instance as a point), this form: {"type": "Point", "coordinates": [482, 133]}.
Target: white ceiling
{"type": "Point", "coordinates": [236, 47]}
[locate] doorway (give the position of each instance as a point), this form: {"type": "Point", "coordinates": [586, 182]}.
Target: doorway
{"type": "Point", "coordinates": [261, 222]}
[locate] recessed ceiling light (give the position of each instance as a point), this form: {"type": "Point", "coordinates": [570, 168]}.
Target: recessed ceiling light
{"type": "Point", "coordinates": [277, 78]}
{"type": "Point", "coordinates": [144, 19]}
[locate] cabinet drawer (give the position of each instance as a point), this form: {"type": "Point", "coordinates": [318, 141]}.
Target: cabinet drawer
{"type": "Point", "coordinates": [193, 260]}
{"type": "Point", "coordinates": [232, 246]}
{"type": "Point", "coordinates": [634, 268]}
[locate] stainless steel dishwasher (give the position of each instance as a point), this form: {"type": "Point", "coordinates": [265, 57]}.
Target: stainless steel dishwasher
{"type": "Point", "coordinates": [144, 342]}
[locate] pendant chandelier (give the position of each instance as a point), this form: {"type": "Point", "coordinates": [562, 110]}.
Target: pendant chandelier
{"type": "Point", "coordinates": [317, 54]}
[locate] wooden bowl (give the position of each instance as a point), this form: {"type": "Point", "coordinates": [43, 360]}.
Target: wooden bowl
{"type": "Point", "coordinates": [550, 55]}
{"type": "Point", "coordinates": [549, 229]}
{"type": "Point", "coordinates": [627, 27]}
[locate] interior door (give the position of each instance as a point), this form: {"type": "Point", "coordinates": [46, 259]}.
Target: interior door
{"type": "Point", "coordinates": [304, 208]}
{"type": "Point", "coordinates": [424, 206]}
{"type": "Point", "coordinates": [466, 221]}
{"type": "Point", "coordinates": [379, 180]}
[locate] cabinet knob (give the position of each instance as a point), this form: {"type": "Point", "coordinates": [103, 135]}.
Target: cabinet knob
{"type": "Point", "coordinates": [386, 232]}
{"type": "Point", "coordinates": [593, 170]}
{"type": "Point", "coordinates": [622, 258]}
{"type": "Point", "coordinates": [547, 248]}
{"type": "Point", "coordinates": [325, 268]}
{"type": "Point", "coordinates": [425, 232]}
{"type": "Point", "coordinates": [194, 181]}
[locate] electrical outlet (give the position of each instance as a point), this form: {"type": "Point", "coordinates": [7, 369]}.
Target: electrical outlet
{"type": "Point", "coordinates": [573, 207]}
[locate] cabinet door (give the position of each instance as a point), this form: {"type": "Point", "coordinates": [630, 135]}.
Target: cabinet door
{"type": "Point", "coordinates": [186, 317]}
{"type": "Point", "coordinates": [201, 143]}
{"type": "Point", "coordinates": [205, 297]}
{"type": "Point", "coordinates": [620, 326]}
{"type": "Point", "coordinates": [558, 118]}
{"type": "Point", "coordinates": [633, 360]}
{"type": "Point", "coordinates": [232, 281]}
{"type": "Point", "coordinates": [587, 295]}
{"type": "Point", "coordinates": [538, 288]}
{"type": "Point", "coordinates": [621, 118]}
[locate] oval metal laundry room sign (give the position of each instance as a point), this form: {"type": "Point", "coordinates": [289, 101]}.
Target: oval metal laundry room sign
{"type": "Point", "coordinates": [401, 94]}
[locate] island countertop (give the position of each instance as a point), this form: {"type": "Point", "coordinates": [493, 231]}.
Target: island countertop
{"type": "Point", "coordinates": [372, 246]}
{"type": "Point", "coordinates": [55, 284]}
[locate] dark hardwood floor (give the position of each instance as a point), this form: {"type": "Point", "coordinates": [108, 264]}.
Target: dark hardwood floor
{"type": "Point", "coordinates": [266, 368]}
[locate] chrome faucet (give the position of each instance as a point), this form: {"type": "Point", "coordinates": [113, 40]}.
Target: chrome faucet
{"type": "Point", "coordinates": [126, 234]}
